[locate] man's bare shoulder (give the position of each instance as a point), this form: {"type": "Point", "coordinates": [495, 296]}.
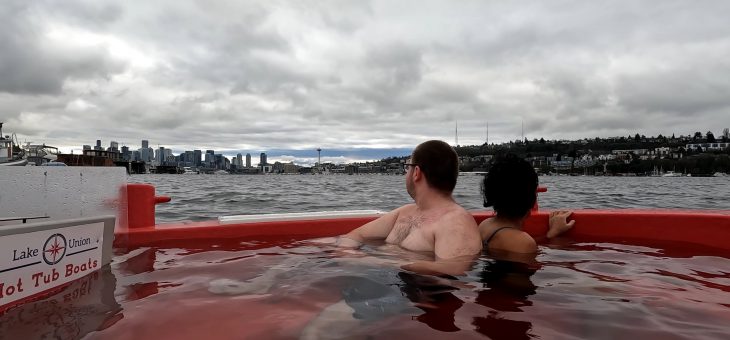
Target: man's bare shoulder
{"type": "Point", "coordinates": [407, 207]}
{"type": "Point", "coordinates": [459, 217]}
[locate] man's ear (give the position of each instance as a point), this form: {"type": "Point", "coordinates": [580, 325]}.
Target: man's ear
{"type": "Point", "coordinates": [417, 174]}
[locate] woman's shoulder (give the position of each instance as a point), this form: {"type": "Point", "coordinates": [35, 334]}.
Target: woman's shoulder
{"type": "Point", "coordinates": [513, 240]}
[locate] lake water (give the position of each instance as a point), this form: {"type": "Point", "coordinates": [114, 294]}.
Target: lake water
{"type": "Point", "coordinates": [201, 197]}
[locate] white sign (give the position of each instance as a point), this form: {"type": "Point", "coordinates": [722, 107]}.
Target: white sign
{"type": "Point", "coordinates": [34, 262]}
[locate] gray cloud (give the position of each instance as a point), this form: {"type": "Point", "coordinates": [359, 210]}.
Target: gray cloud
{"type": "Point", "coordinates": [33, 64]}
{"type": "Point", "coordinates": [290, 75]}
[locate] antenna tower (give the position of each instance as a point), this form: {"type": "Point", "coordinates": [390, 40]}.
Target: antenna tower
{"type": "Point", "coordinates": [487, 132]}
{"type": "Point", "coordinates": [523, 130]}
{"type": "Point", "coordinates": [456, 133]}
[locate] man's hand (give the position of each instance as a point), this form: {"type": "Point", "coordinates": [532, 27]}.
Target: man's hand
{"type": "Point", "coordinates": [346, 242]}
{"type": "Point", "coordinates": [559, 223]}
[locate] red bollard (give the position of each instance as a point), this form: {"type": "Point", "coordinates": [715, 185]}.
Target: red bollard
{"type": "Point", "coordinates": [539, 189]}
{"type": "Point", "coordinates": [141, 202]}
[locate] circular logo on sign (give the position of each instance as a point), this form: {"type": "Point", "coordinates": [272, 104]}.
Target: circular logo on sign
{"type": "Point", "coordinates": [54, 249]}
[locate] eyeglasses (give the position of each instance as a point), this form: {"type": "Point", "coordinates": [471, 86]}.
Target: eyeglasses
{"type": "Point", "coordinates": [408, 165]}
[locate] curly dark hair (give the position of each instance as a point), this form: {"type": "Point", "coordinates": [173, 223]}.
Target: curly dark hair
{"type": "Point", "coordinates": [509, 186]}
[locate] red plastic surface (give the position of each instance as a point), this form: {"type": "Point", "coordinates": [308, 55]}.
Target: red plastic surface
{"type": "Point", "coordinates": [707, 228]}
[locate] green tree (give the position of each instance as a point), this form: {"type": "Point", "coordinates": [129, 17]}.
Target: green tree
{"type": "Point", "coordinates": [710, 137]}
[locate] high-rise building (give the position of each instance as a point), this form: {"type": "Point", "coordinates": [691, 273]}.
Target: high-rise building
{"type": "Point", "coordinates": [160, 155]}
{"type": "Point", "coordinates": [145, 155]}
{"type": "Point", "coordinates": [145, 144]}
{"type": "Point", "coordinates": [210, 158]}
{"type": "Point", "coordinates": [113, 146]}
{"type": "Point", "coordinates": [87, 147]}
{"type": "Point", "coordinates": [197, 157]}
{"type": "Point", "coordinates": [262, 160]}
{"type": "Point", "coordinates": [248, 160]}
{"type": "Point", "coordinates": [220, 161]}
{"type": "Point", "coordinates": [126, 155]}
{"type": "Point", "coordinates": [239, 160]}
{"type": "Point", "coordinates": [98, 145]}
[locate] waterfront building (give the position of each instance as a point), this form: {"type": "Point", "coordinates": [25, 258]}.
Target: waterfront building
{"type": "Point", "coordinates": [187, 158]}
{"type": "Point", "coordinates": [145, 155]}
{"type": "Point", "coordinates": [707, 146]}
{"type": "Point", "coordinates": [262, 160]}
{"type": "Point", "coordinates": [160, 155]}
{"type": "Point", "coordinates": [197, 157]}
{"type": "Point", "coordinates": [239, 160]}
{"type": "Point", "coordinates": [637, 152]}
{"type": "Point", "coordinates": [220, 161]}
{"type": "Point", "coordinates": [248, 160]}
{"type": "Point", "coordinates": [126, 155]}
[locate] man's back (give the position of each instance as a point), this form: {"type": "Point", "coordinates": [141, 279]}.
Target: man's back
{"type": "Point", "coordinates": [449, 225]}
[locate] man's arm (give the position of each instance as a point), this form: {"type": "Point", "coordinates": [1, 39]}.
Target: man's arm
{"type": "Point", "coordinates": [377, 229]}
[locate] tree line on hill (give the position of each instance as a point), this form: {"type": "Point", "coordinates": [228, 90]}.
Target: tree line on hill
{"type": "Point", "coordinates": [694, 162]}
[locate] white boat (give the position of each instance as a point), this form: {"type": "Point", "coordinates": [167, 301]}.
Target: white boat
{"type": "Point", "coordinates": [672, 174]}
{"type": "Point", "coordinates": [40, 154]}
{"type": "Point", "coordinates": [10, 153]}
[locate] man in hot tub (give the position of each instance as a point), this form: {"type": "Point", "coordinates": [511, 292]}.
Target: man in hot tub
{"type": "Point", "coordinates": [434, 222]}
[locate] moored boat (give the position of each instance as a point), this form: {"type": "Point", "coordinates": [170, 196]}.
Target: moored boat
{"type": "Point", "coordinates": [10, 153]}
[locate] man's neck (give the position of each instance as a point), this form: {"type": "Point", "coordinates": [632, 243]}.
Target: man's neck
{"type": "Point", "coordinates": [433, 199]}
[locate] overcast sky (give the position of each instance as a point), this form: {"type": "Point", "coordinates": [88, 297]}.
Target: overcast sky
{"type": "Point", "coordinates": [352, 75]}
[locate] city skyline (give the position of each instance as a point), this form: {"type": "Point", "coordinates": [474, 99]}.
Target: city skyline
{"type": "Point", "coordinates": [359, 75]}
{"type": "Point", "coordinates": [299, 157]}
{"type": "Point", "coordinates": [306, 158]}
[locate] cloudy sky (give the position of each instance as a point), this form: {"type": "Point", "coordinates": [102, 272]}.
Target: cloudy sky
{"type": "Point", "coordinates": [360, 79]}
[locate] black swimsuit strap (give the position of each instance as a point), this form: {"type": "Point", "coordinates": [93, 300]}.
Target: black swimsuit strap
{"type": "Point", "coordinates": [494, 233]}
